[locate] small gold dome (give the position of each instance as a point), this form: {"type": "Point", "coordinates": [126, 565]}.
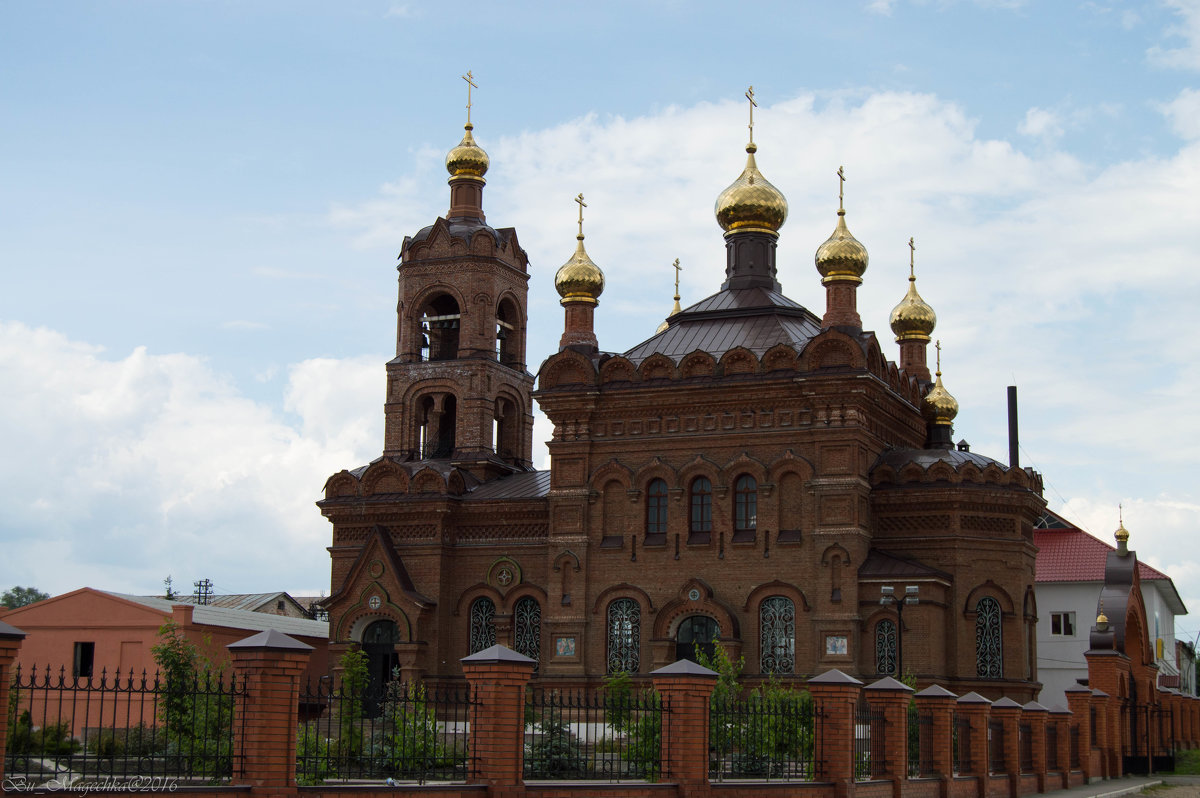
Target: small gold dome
{"type": "Point", "coordinates": [939, 407]}
{"type": "Point", "coordinates": [1101, 620]}
{"type": "Point", "coordinates": [1122, 534]}
{"type": "Point", "coordinates": [913, 319]}
{"type": "Point", "coordinates": [467, 159]}
{"type": "Point", "coordinates": [579, 279]}
{"type": "Point", "coordinates": [751, 203]}
{"type": "Point", "coordinates": [842, 256]}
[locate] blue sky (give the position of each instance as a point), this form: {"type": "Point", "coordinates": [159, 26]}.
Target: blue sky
{"type": "Point", "coordinates": [201, 205]}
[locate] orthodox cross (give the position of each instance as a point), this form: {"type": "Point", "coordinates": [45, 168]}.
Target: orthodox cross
{"type": "Point", "coordinates": [938, 346]}
{"type": "Point", "coordinates": [841, 173]}
{"type": "Point", "coordinates": [912, 254]}
{"type": "Point", "coordinates": [753, 105]}
{"type": "Point", "coordinates": [582, 205]}
{"type": "Point", "coordinates": [471, 84]}
{"type": "Point", "coordinates": [678, 269]}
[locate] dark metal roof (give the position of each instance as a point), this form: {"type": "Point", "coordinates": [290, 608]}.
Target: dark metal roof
{"type": "Point", "coordinates": [754, 318]}
{"type": "Point", "coordinates": [529, 485]}
{"type": "Point", "coordinates": [896, 458]}
{"type": "Point", "coordinates": [884, 564]}
{"type": "Point", "coordinates": [462, 228]}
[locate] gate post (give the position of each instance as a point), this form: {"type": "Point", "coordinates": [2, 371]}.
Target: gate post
{"type": "Point", "coordinates": [1079, 699]}
{"type": "Point", "coordinates": [1060, 721]}
{"type": "Point", "coordinates": [939, 703]}
{"type": "Point", "coordinates": [1036, 716]}
{"type": "Point", "coordinates": [10, 644]}
{"type": "Point", "coordinates": [685, 688]}
{"type": "Point", "coordinates": [498, 676]}
{"type": "Point", "coordinates": [976, 709]}
{"type": "Point", "coordinates": [835, 701]}
{"type": "Point", "coordinates": [892, 697]}
{"type": "Point", "coordinates": [1008, 712]}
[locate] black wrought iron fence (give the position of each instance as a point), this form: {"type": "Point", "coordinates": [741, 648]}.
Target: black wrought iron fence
{"type": "Point", "coordinates": [996, 743]}
{"type": "Point", "coordinates": [963, 764]}
{"type": "Point", "coordinates": [763, 737]}
{"type": "Point", "coordinates": [1052, 747]}
{"type": "Point", "coordinates": [404, 731]}
{"type": "Point", "coordinates": [920, 744]}
{"type": "Point", "coordinates": [615, 735]}
{"type": "Point", "coordinates": [121, 731]}
{"type": "Point", "coordinates": [1025, 747]}
{"type": "Point", "coordinates": [870, 743]}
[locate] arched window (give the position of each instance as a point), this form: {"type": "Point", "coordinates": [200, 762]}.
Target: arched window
{"type": "Point", "coordinates": [696, 633]}
{"type": "Point", "coordinates": [989, 644]}
{"type": "Point", "coordinates": [745, 507]}
{"type": "Point", "coordinates": [624, 636]}
{"type": "Point", "coordinates": [439, 328]}
{"type": "Point", "coordinates": [777, 635]}
{"type": "Point", "coordinates": [656, 512]}
{"type": "Point", "coordinates": [700, 510]}
{"type": "Point", "coordinates": [437, 426]}
{"type": "Point", "coordinates": [483, 624]}
{"type": "Point", "coordinates": [507, 334]}
{"type": "Point", "coordinates": [527, 629]}
{"type": "Point", "coordinates": [885, 647]}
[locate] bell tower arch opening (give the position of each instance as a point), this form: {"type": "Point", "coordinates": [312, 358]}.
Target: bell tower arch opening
{"type": "Point", "coordinates": [440, 321]}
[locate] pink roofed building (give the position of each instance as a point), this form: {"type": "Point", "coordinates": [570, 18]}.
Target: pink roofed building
{"type": "Point", "coordinates": [1070, 575]}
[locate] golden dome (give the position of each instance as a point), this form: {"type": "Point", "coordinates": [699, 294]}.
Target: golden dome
{"type": "Point", "coordinates": [579, 279]}
{"type": "Point", "coordinates": [1102, 621]}
{"type": "Point", "coordinates": [938, 406]}
{"type": "Point", "coordinates": [467, 159]}
{"type": "Point", "coordinates": [1122, 534]}
{"type": "Point", "coordinates": [912, 319]}
{"type": "Point", "coordinates": [751, 203]}
{"type": "Point", "coordinates": [842, 256]}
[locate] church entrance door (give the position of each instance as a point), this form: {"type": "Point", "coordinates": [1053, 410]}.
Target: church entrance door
{"type": "Point", "coordinates": [378, 643]}
{"type": "Point", "coordinates": [696, 631]}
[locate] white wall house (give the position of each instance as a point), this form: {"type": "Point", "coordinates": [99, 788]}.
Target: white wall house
{"type": "Point", "coordinates": [1070, 574]}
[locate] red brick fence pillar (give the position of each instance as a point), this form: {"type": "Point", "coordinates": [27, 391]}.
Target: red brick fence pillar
{"type": "Point", "coordinates": [10, 644]}
{"type": "Point", "coordinates": [1060, 721]}
{"type": "Point", "coordinates": [269, 665]}
{"type": "Point", "coordinates": [685, 688]}
{"type": "Point", "coordinates": [1079, 699]}
{"type": "Point", "coordinates": [1008, 712]}
{"type": "Point", "coordinates": [498, 676]}
{"type": "Point", "coordinates": [1037, 716]}
{"type": "Point", "coordinates": [835, 701]}
{"type": "Point", "coordinates": [938, 702]}
{"type": "Point", "coordinates": [976, 709]}
{"type": "Point", "coordinates": [891, 698]}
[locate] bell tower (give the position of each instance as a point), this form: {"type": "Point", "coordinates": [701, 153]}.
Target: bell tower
{"type": "Point", "coordinates": [459, 390]}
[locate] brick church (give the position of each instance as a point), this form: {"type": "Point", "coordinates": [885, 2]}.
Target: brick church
{"type": "Point", "coordinates": [753, 472]}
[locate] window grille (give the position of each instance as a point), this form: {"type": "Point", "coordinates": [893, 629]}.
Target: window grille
{"type": "Point", "coordinates": [885, 646]}
{"type": "Point", "coordinates": [777, 625]}
{"type": "Point", "coordinates": [483, 624]}
{"type": "Point", "coordinates": [989, 653]}
{"type": "Point", "coordinates": [527, 629]}
{"type": "Point", "coordinates": [624, 636]}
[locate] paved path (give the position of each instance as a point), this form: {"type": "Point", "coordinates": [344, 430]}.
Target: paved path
{"type": "Point", "coordinates": [1159, 786]}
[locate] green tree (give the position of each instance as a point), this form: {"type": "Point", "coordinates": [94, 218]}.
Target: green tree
{"type": "Point", "coordinates": [21, 596]}
{"type": "Point", "coordinates": [354, 692]}
{"type": "Point", "coordinates": [195, 709]}
{"type": "Point", "coordinates": [414, 748]}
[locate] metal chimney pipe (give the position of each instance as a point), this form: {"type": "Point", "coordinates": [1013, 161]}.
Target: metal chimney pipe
{"type": "Point", "coordinates": [1014, 459]}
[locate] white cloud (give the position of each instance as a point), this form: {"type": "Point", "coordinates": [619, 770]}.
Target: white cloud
{"type": "Point", "coordinates": [168, 468]}
{"type": "Point", "coordinates": [1184, 114]}
{"type": "Point", "coordinates": [1041, 123]}
{"type": "Point", "coordinates": [1187, 28]}
{"type": "Point", "coordinates": [883, 7]}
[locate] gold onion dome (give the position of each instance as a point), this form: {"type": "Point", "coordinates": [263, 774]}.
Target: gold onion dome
{"type": "Point", "coordinates": [938, 406]}
{"type": "Point", "coordinates": [751, 203]}
{"type": "Point", "coordinates": [579, 279]}
{"type": "Point", "coordinates": [912, 319]}
{"type": "Point", "coordinates": [1122, 534]}
{"type": "Point", "coordinates": [842, 255]}
{"type": "Point", "coordinates": [467, 159]}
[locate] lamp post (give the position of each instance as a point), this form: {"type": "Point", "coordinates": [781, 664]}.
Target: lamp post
{"type": "Point", "coordinates": [888, 597]}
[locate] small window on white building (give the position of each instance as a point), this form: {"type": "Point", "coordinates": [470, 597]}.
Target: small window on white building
{"type": "Point", "coordinates": [1062, 623]}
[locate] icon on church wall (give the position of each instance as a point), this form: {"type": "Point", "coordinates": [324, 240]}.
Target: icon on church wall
{"type": "Point", "coordinates": [835, 645]}
{"type": "Point", "coordinates": [374, 602]}
{"type": "Point", "coordinates": [564, 646]}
